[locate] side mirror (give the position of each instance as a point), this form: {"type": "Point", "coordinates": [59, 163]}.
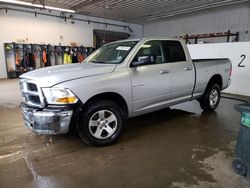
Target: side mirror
{"type": "Point", "coordinates": [143, 60]}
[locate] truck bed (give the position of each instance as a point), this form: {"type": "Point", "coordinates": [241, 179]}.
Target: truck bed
{"type": "Point", "coordinates": [206, 68]}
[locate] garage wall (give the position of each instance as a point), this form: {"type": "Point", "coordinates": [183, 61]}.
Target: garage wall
{"type": "Point", "coordinates": [43, 29]}
{"type": "Point", "coordinates": [238, 53]}
{"type": "Point", "coordinates": [234, 17]}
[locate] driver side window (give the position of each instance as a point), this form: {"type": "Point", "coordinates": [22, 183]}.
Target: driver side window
{"type": "Point", "coordinates": [150, 52]}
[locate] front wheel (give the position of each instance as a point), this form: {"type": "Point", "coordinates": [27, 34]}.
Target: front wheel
{"type": "Point", "coordinates": [101, 123]}
{"type": "Point", "coordinates": [211, 98]}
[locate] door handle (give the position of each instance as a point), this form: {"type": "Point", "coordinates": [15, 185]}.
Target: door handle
{"type": "Point", "coordinates": [138, 85]}
{"type": "Point", "coordinates": [164, 71]}
{"type": "Point", "coordinates": [188, 69]}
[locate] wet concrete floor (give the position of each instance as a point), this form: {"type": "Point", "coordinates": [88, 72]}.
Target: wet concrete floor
{"type": "Point", "coordinates": [181, 147]}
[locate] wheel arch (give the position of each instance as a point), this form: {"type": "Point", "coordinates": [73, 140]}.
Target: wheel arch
{"type": "Point", "coordinates": [217, 78]}
{"type": "Point", "coordinates": [110, 96]}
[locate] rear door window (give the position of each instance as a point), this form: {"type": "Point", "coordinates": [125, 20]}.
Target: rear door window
{"type": "Point", "coordinates": [174, 51]}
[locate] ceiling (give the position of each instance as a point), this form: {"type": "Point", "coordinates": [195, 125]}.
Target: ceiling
{"type": "Point", "coordinates": [137, 11]}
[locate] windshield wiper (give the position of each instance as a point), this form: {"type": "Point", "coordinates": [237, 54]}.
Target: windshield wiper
{"type": "Point", "coordinates": [97, 62]}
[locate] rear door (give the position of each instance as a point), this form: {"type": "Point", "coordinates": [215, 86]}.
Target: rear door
{"type": "Point", "coordinates": [151, 83]}
{"type": "Point", "coordinates": [182, 70]}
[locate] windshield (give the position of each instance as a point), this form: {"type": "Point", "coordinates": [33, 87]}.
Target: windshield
{"type": "Point", "coordinates": [113, 53]}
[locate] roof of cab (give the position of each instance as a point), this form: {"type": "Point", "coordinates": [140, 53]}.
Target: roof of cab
{"type": "Point", "coordinates": [148, 38]}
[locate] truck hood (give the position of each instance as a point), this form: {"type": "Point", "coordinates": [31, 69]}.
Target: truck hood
{"type": "Point", "coordinates": [50, 76]}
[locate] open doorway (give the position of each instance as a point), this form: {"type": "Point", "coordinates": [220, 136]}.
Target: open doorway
{"type": "Point", "coordinates": [102, 37]}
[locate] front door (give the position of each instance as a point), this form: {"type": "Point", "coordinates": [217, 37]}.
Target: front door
{"type": "Point", "coordinates": [151, 83]}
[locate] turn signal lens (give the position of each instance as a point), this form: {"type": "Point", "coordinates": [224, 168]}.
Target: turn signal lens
{"type": "Point", "coordinates": [67, 100]}
{"type": "Point", "coordinates": [59, 96]}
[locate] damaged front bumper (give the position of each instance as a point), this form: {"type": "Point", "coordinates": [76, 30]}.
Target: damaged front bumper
{"type": "Point", "coordinates": [47, 120]}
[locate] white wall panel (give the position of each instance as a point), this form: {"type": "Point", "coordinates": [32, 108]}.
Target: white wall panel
{"type": "Point", "coordinates": [238, 53]}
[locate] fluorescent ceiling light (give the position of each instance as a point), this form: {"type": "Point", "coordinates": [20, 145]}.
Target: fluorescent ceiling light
{"type": "Point", "coordinates": [20, 3]}
{"type": "Point", "coordinates": [36, 5]}
{"type": "Point", "coordinates": [59, 9]}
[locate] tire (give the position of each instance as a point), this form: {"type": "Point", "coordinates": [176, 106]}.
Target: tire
{"type": "Point", "coordinates": [211, 98]}
{"type": "Point", "coordinates": [240, 167]}
{"type": "Point", "coordinates": [101, 123]}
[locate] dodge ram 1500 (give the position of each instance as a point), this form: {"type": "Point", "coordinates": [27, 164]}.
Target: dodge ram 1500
{"type": "Point", "coordinates": [119, 80]}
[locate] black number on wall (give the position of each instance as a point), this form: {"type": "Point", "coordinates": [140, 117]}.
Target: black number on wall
{"type": "Point", "coordinates": [243, 56]}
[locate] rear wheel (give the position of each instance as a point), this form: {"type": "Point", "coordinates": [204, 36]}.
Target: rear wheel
{"type": "Point", "coordinates": [211, 98]}
{"type": "Point", "coordinates": [101, 123]}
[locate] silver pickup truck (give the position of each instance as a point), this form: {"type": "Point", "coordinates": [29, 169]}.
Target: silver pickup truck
{"type": "Point", "coordinates": [118, 81]}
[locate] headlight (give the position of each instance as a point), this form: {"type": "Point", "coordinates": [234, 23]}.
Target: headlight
{"type": "Point", "coordinates": [59, 96]}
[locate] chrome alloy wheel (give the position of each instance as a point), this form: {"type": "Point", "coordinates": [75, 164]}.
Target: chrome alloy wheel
{"type": "Point", "coordinates": [213, 98]}
{"type": "Point", "coordinates": [103, 124]}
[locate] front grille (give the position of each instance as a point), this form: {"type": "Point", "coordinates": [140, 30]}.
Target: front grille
{"type": "Point", "coordinates": [32, 87]}
{"type": "Point", "coordinates": [35, 99]}
{"type": "Point", "coordinates": [31, 93]}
